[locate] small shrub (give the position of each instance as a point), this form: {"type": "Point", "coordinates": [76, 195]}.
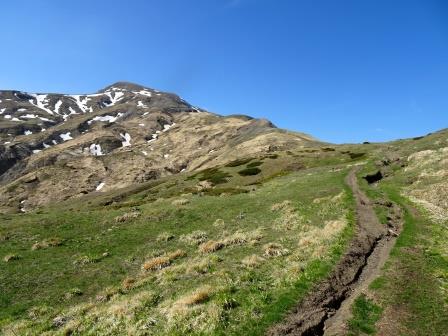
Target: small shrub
{"type": "Point", "coordinates": [238, 162]}
{"type": "Point", "coordinates": [274, 250]}
{"type": "Point", "coordinates": [165, 236]}
{"type": "Point", "coordinates": [328, 149]}
{"type": "Point", "coordinates": [254, 164]}
{"type": "Point", "coordinates": [214, 175]}
{"type": "Point", "coordinates": [250, 171]}
{"type": "Point", "coordinates": [210, 246]}
{"type": "Point", "coordinates": [11, 257]}
{"type": "Point", "coordinates": [356, 155]}
{"type": "Point", "coordinates": [156, 263]}
{"type": "Point", "coordinates": [194, 238]}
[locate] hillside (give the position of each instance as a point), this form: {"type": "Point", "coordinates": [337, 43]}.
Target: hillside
{"type": "Point", "coordinates": [198, 224]}
{"type": "Point", "coordinates": [56, 147]}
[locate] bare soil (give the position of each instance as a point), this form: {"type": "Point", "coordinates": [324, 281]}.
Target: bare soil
{"type": "Point", "coordinates": [327, 308]}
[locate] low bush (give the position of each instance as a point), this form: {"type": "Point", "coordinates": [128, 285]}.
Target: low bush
{"type": "Point", "coordinates": [250, 171]}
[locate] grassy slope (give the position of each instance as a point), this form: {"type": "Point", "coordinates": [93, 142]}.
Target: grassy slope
{"type": "Point", "coordinates": [96, 272]}
{"type": "Point", "coordinates": [412, 290]}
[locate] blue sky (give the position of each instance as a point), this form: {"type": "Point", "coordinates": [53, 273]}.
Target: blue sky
{"type": "Point", "coordinates": [341, 70]}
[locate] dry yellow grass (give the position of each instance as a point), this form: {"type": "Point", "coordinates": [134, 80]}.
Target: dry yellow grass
{"type": "Point", "coordinates": [180, 201]}
{"type": "Point", "coordinates": [194, 238]}
{"type": "Point", "coordinates": [211, 246]}
{"type": "Point", "coordinates": [200, 295]}
{"type": "Point", "coordinates": [165, 236]}
{"type": "Point", "coordinates": [51, 242]}
{"type": "Point", "coordinates": [219, 223]}
{"type": "Point", "coordinates": [252, 261]}
{"type": "Point", "coordinates": [127, 216]}
{"type": "Point", "coordinates": [176, 254]}
{"type": "Point", "coordinates": [156, 263]}
{"type": "Point", "coordinates": [281, 206]}
{"type": "Point", "coordinates": [128, 283]}
{"type": "Point", "coordinates": [274, 250]}
{"type": "Point", "coordinates": [11, 257]}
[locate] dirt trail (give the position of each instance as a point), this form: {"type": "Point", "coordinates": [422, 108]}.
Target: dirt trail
{"type": "Point", "coordinates": [326, 309]}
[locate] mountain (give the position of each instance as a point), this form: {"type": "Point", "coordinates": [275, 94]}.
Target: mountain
{"type": "Point", "coordinates": [132, 212]}
{"type": "Point", "coordinates": [59, 146]}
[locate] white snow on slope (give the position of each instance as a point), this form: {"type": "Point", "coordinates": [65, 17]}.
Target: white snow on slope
{"type": "Point", "coordinates": [95, 150]}
{"type": "Point", "coordinates": [127, 139]}
{"type": "Point", "coordinates": [140, 104]}
{"type": "Point", "coordinates": [145, 153]}
{"type": "Point", "coordinates": [66, 136]}
{"type": "Point", "coordinates": [57, 106]}
{"type": "Point", "coordinates": [115, 98]}
{"type": "Point", "coordinates": [100, 186]}
{"type": "Point", "coordinates": [45, 145]}
{"type": "Point", "coordinates": [41, 102]}
{"type": "Point", "coordinates": [7, 116]}
{"type": "Point", "coordinates": [21, 110]}
{"type": "Point", "coordinates": [143, 93]}
{"type": "Point", "coordinates": [108, 118]}
{"type": "Point", "coordinates": [2, 110]}
{"type": "Point", "coordinates": [16, 119]}
{"type": "Point", "coordinates": [27, 132]}
{"type": "Point", "coordinates": [35, 151]}
{"type": "Point", "coordinates": [166, 127]}
{"type": "Point", "coordinates": [29, 116]}
{"type": "Point", "coordinates": [82, 102]}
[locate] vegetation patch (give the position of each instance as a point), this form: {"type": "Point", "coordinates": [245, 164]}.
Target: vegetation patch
{"type": "Point", "coordinates": [250, 171]}
{"type": "Point", "coordinates": [214, 175]}
{"type": "Point", "coordinates": [365, 314]}
{"type": "Point", "coordinates": [239, 162]}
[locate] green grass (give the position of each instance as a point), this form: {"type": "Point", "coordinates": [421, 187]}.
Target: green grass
{"type": "Point", "coordinates": [365, 315]}
{"type": "Point", "coordinates": [98, 253]}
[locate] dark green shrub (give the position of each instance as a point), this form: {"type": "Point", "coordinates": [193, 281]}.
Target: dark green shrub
{"type": "Point", "coordinates": [214, 175]}
{"type": "Point", "coordinates": [238, 162]}
{"type": "Point", "coordinates": [250, 171]}
{"type": "Point", "coordinates": [356, 155]}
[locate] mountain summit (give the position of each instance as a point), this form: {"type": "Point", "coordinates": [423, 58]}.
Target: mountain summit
{"type": "Point", "coordinates": [58, 146]}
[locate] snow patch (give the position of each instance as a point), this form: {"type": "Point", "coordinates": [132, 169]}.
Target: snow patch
{"type": "Point", "coordinates": [45, 145]}
{"type": "Point", "coordinates": [21, 110]}
{"type": "Point", "coordinates": [143, 125]}
{"type": "Point", "coordinates": [166, 127]}
{"type": "Point", "coordinates": [100, 186]}
{"type": "Point", "coordinates": [66, 136]}
{"type": "Point", "coordinates": [143, 93]}
{"type": "Point", "coordinates": [29, 116]}
{"type": "Point", "coordinates": [27, 132]}
{"type": "Point", "coordinates": [115, 98]}
{"type": "Point", "coordinates": [2, 110]}
{"type": "Point", "coordinates": [145, 153]}
{"type": "Point", "coordinates": [95, 150]}
{"type": "Point", "coordinates": [41, 102]}
{"type": "Point", "coordinates": [140, 104]}
{"type": "Point", "coordinates": [35, 151]}
{"type": "Point", "coordinates": [57, 106]}
{"type": "Point", "coordinates": [127, 139]}
{"type": "Point", "coordinates": [108, 118]}
{"type": "Point", "coordinates": [81, 101]}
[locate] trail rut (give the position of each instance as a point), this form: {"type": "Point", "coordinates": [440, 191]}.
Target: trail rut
{"type": "Point", "coordinates": [326, 309]}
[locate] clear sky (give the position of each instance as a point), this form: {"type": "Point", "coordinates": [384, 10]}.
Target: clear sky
{"type": "Point", "coordinates": [341, 70]}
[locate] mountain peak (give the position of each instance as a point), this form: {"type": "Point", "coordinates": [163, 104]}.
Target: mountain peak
{"type": "Point", "coordinates": [123, 85]}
